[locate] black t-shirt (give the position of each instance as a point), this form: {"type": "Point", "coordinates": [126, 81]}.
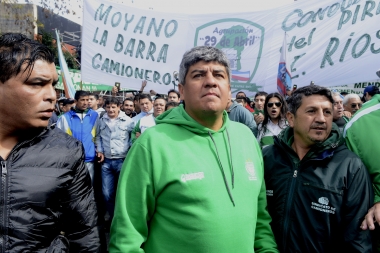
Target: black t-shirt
{"type": "Point", "coordinates": [133, 114]}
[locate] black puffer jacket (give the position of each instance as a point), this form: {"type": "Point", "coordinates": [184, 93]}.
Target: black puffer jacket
{"type": "Point", "coordinates": [46, 189]}
{"type": "Point", "coordinates": [317, 204]}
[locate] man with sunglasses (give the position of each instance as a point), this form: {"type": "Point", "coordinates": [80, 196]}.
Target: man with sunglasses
{"type": "Point", "coordinates": [318, 191]}
{"type": "Point", "coordinates": [352, 103]}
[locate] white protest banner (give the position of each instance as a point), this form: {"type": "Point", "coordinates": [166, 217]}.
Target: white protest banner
{"type": "Point", "coordinates": [127, 45]}
{"type": "Point", "coordinates": [75, 76]}
{"type": "Point", "coordinates": [333, 42]}
{"type": "Point", "coordinates": [356, 88]}
{"type": "Point", "coordinates": [244, 39]}
{"type": "Point", "coordinates": [329, 42]}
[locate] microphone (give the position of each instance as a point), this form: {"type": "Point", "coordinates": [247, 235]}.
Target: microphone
{"type": "Point", "coordinates": [175, 75]}
{"type": "Point", "coordinates": [378, 73]}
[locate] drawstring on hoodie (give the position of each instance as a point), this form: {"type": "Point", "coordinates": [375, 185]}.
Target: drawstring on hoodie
{"type": "Point", "coordinates": [222, 169]}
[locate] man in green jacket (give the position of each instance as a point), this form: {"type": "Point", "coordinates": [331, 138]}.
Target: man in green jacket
{"type": "Point", "coordinates": [362, 137]}
{"type": "Point", "coordinates": [188, 185]}
{"type": "Point", "coordinates": [318, 191]}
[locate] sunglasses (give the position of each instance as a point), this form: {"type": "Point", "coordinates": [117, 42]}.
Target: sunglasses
{"type": "Point", "coordinates": [356, 105]}
{"type": "Point", "coordinates": [278, 104]}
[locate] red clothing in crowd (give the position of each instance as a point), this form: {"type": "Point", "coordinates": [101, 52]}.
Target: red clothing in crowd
{"type": "Point", "coordinates": [249, 108]}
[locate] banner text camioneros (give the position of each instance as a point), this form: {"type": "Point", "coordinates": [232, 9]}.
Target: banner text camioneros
{"type": "Point", "coordinates": [131, 50]}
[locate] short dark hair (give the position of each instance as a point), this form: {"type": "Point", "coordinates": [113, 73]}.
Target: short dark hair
{"type": "Point", "coordinates": [94, 95]}
{"type": "Point", "coordinates": [68, 101]}
{"type": "Point", "coordinates": [295, 100]}
{"type": "Point", "coordinates": [112, 100]}
{"type": "Point", "coordinates": [80, 93]}
{"type": "Point", "coordinates": [172, 104]}
{"type": "Point", "coordinates": [176, 92]}
{"type": "Point", "coordinates": [261, 93]}
{"type": "Point", "coordinates": [241, 92]}
{"type": "Point", "coordinates": [16, 50]}
{"type": "Point", "coordinates": [144, 96]}
{"type": "Point", "coordinates": [128, 99]}
{"type": "Point", "coordinates": [162, 98]}
{"type": "Point", "coordinates": [137, 97]}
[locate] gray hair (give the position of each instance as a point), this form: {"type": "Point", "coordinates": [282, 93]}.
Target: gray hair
{"type": "Point", "coordinates": [335, 94]}
{"type": "Point", "coordinates": [349, 96]}
{"type": "Point", "coordinates": [202, 53]}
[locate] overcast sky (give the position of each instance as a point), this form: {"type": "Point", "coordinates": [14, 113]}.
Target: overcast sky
{"type": "Point", "coordinates": [185, 6]}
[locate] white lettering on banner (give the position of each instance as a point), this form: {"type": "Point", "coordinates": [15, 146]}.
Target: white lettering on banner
{"type": "Point", "coordinates": [330, 42]}
{"type": "Point", "coordinates": [192, 176]}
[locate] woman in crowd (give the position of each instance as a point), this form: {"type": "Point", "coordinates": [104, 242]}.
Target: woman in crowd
{"type": "Point", "coordinates": [274, 119]}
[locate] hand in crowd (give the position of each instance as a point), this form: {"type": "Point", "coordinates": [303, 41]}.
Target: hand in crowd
{"type": "Point", "coordinates": [114, 90]}
{"type": "Point", "coordinates": [143, 84]}
{"type": "Point", "coordinates": [100, 157]}
{"type": "Point", "coordinates": [347, 114]}
{"type": "Point", "coordinates": [258, 118]}
{"type": "Point", "coordinates": [372, 216]}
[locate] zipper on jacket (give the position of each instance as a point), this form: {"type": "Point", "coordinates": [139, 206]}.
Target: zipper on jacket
{"type": "Point", "coordinates": [288, 206]}
{"type": "Point", "coordinates": [323, 188]}
{"type": "Point", "coordinates": [3, 210]}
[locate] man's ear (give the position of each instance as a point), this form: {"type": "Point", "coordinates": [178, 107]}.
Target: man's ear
{"type": "Point", "coordinates": [290, 117]}
{"type": "Point", "coordinates": [181, 89]}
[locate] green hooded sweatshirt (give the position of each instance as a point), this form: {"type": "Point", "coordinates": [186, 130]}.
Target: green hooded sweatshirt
{"type": "Point", "coordinates": [186, 188]}
{"type": "Point", "coordinates": [362, 138]}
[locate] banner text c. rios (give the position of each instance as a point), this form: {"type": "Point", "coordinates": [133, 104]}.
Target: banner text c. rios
{"type": "Point", "coordinates": [349, 12]}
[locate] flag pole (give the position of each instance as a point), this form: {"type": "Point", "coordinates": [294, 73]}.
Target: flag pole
{"type": "Point", "coordinates": [284, 78]}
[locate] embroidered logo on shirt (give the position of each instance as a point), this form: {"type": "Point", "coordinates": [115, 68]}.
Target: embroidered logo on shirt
{"type": "Point", "coordinates": [323, 206]}
{"type": "Point", "coordinates": [250, 168]}
{"type": "Point", "coordinates": [192, 176]}
{"type": "Point", "coordinates": [269, 192]}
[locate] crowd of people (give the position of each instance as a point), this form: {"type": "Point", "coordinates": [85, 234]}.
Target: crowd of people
{"type": "Point", "coordinates": [193, 170]}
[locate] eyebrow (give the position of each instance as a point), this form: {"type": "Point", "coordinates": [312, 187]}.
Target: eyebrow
{"type": "Point", "coordinates": [317, 107]}
{"type": "Point", "coordinates": [41, 79]}
{"type": "Point", "coordinates": [203, 71]}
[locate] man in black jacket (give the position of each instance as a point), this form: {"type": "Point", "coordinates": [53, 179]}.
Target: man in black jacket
{"type": "Point", "coordinates": [46, 195]}
{"type": "Point", "coordinates": [318, 191]}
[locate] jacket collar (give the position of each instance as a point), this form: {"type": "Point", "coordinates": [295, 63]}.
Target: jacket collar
{"type": "Point", "coordinates": [86, 112]}
{"type": "Point", "coordinates": [121, 116]}
{"type": "Point", "coordinates": [318, 151]}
